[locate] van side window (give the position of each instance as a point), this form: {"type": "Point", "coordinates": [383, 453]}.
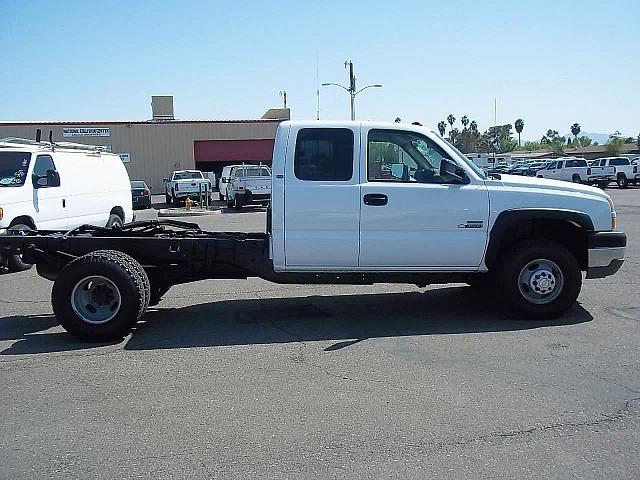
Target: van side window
{"type": "Point", "coordinates": [43, 164]}
{"type": "Point", "coordinates": [324, 154]}
{"type": "Point", "coordinates": [560, 164]}
{"type": "Point", "coordinates": [552, 165]}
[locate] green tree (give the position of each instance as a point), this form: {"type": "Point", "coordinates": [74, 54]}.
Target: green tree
{"type": "Point", "coordinates": [519, 127]}
{"type": "Point", "coordinates": [503, 135]}
{"type": "Point", "coordinates": [638, 141]}
{"type": "Point", "coordinates": [614, 147]}
{"type": "Point", "coordinates": [629, 140]}
{"type": "Point", "coordinates": [473, 126]}
{"type": "Point", "coordinates": [575, 131]}
{"type": "Point", "coordinates": [584, 141]}
{"type": "Point", "coordinates": [465, 121]}
{"type": "Point", "coordinates": [553, 140]}
{"type": "Point", "coordinates": [442, 127]}
{"type": "Point", "coordinates": [531, 146]}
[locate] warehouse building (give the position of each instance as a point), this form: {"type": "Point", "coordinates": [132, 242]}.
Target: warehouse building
{"type": "Point", "coordinates": [151, 149]}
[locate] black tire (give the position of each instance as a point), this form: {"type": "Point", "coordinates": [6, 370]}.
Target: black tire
{"type": "Point", "coordinates": [174, 199]}
{"type": "Point", "coordinates": [229, 204]}
{"type": "Point", "coordinates": [622, 181]}
{"type": "Point", "coordinates": [119, 269]}
{"type": "Point", "coordinates": [237, 202]}
{"type": "Point", "coordinates": [114, 221]}
{"type": "Point", "coordinates": [576, 179]}
{"type": "Point", "coordinates": [15, 262]}
{"type": "Point", "coordinates": [221, 197]}
{"type": "Point", "coordinates": [528, 252]}
{"type": "Point", "coordinates": [167, 198]}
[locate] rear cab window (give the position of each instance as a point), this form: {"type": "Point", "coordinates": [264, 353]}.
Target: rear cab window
{"type": "Point", "coordinates": [619, 162]}
{"type": "Point", "coordinates": [324, 154]}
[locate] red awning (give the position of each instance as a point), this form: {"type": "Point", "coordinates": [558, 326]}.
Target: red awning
{"type": "Point", "coordinates": [233, 150]}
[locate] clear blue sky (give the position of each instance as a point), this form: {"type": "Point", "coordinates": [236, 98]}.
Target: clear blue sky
{"type": "Point", "coordinates": [551, 63]}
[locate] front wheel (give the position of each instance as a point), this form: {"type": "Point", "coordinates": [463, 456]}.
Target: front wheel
{"type": "Point", "coordinates": [540, 278]}
{"type": "Point", "coordinates": [15, 262]}
{"type": "Point", "coordinates": [576, 179]}
{"type": "Point", "coordinates": [237, 202]}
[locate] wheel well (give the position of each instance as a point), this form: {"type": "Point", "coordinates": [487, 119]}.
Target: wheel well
{"type": "Point", "coordinates": [117, 211]}
{"type": "Point", "coordinates": [24, 220]}
{"type": "Point", "coordinates": [567, 233]}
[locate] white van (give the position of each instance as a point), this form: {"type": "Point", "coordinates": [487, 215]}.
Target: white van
{"type": "Point", "coordinates": [59, 187]}
{"type": "Point", "coordinates": [224, 180]}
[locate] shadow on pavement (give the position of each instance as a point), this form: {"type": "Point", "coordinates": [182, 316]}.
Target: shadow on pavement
{"type": "Point", "coordinates": [345, 319]}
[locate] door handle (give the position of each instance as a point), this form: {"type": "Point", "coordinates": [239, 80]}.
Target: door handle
{"type": "Point", "coordinates": [375, 199]}
{"type": "Point", "coordinates": [64, 203]}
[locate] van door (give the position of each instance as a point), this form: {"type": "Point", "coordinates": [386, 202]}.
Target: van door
{"type": "Point", "coordinates": [322, 199]}
{"type": "Point", "coordinates": [411, 218]}
{"type": "Point", "coordinates": [49, 201]}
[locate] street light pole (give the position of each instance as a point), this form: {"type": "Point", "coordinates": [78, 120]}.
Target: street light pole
{"type": "Point", "coordinates": [352, 91]}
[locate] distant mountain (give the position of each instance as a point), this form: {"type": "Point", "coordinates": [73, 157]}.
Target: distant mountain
{"type": "Point", "coordinates": [601, 138]}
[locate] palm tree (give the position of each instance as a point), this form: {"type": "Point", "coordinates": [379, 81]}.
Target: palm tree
{"type": "Point", "coordinates": [519, 127]}
{"type": "Point", "coordinates": [575, 130]}
{"type": "Point", "coordinates": [473, 126]}
{"type": "Point", "coordinates": [465, 121]}
{"type": "Point", "coordinates": [442, 127]}
{"type": "Point", "coordinates": [451, 119]}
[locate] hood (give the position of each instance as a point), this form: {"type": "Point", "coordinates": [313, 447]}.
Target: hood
{"type": "Point", "coordinates": [547, 184]}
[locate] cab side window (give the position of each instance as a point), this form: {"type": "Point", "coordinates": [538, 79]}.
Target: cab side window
{"type": "Point", "coordinates": [552, 165]}
{"type": "Point", "coordinates": [43, 164]}
{"type": "Point", "coordinates": [324, 154]}
{"type": "Point", "coordinates": [398, 156]}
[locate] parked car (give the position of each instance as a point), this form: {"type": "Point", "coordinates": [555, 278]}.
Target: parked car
{"type": "Point", "coordinates": [59, 187]}
{"type": "Point", "coordinates": [249, 184]}
{"type": "Point", "coordinates": [224, 180]}
{"type": "Point", "coordinates": [185, 183]}
{"type": "Point", "coordinates": [624, 171]}
{"type": "Point", "coordinates": [335, 218]}
{"type": "Point", "coordinates": [576, 170]}
{"type": "Point", "coordinates": [140, 194]}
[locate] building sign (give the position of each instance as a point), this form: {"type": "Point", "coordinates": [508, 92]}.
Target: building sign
{"type": "Point", "coordinates": [86, 132]}
{"type": "Point", "coordinates": [125, 157]}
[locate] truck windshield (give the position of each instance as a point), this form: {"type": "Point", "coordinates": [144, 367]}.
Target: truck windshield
{"type": "Point", "coordinates": [187, 175]}
{"type": "Point", "coordinates": [13, 168]}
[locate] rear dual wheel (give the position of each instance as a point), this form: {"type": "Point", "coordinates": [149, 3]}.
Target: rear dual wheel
{"type": "Point", "coordinates": [100, 296]}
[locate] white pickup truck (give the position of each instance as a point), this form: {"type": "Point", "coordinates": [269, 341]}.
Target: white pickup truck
{"type": "Point", "coordinates": [576, 170]}
{"type": "Point", "coordinates": [352, 203]}
{"type": "Point", "coordinates": [247, 185]}
{"type": "Point", "coordinates": [624, 172]}
{"type": "Point", "coordinates": [185, 183]}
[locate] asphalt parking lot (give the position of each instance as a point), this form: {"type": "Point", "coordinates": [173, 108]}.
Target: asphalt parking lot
{"type": "Point", "coordinates": [248, 379]}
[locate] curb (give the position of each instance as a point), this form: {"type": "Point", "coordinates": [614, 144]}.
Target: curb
{"type": "Point", "coordinates": [181, 212]}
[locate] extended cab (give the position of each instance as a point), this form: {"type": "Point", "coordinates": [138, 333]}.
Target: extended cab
{"type": "Point", "coordinates": [249, 184]}
{"type": "Point", "coordinates": [185, 183]}
{"type": "Point", "coordinates": [352, 203]}
{"type": "Point", "coordinates": [576, 170]}
{"type": "Point", "coordinates": [623, 171]}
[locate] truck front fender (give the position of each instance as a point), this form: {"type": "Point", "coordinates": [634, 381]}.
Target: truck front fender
{"type": "Point", "coordinates": [509, 220]}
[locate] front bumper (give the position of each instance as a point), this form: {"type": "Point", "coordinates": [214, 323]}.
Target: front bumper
{"type": "Point", "coordinates": [605, 253]}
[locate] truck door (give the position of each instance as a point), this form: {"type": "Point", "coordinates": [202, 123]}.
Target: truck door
{"type": "Point", "coordinates": [411, 218]}
{"type": "Point", "coordinates": [562, 173]}
{"type": "Point", "coordinates": [322, 199]}
{"type": "Point", "coordinates": [49, 201]}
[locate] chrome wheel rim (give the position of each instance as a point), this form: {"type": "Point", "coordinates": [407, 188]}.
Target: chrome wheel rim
{"type": "Point", "coordinates": [96, 299]}
{"type": "Point", "coordinates": [540, 281]}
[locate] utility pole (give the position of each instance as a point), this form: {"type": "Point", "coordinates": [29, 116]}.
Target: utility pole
{"type": "Point", "coordinates": [283, 94]}
{"type": "Point", "coordinates": [352, 88]}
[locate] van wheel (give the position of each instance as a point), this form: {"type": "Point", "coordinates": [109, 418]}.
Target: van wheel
{"type": "Point", "coordinates": [622, 181]}
{"type": "Point", "coordinates": [576, 179]}
{"type": "Point", "coordinates": [114, 222]}
{"type": "Point", "coordinates": [100, 296]}
{"type": "Point", "coordinates": [221, 197]}
{"type": "Point", "coordinates": [15, 262]}
{"type": "Point", "coordinates": [540, 278]}
{"type": "Point", "coordinates": [167, 198]}
{"type": "Point", "coordinates": [237, 202]}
